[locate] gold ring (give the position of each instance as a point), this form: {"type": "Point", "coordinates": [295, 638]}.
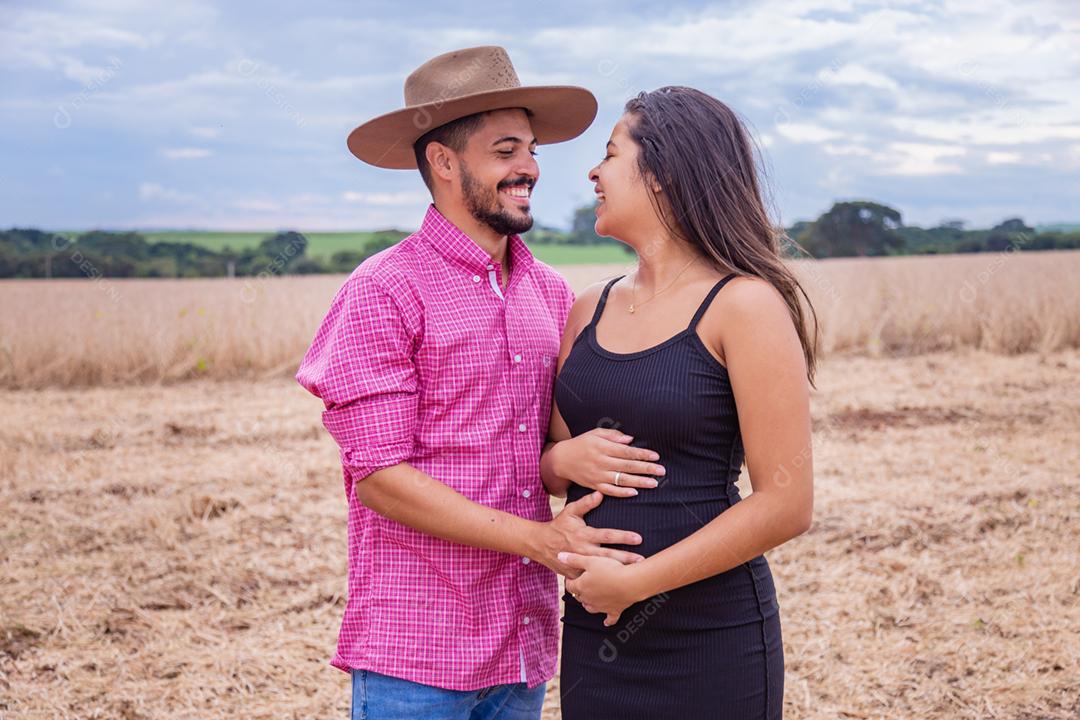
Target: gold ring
{"type": "Point", "coordinates": [617, 474]}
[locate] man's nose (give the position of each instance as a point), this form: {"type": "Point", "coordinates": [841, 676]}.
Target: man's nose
{"type": "Point", "coordinates": [528, 167]}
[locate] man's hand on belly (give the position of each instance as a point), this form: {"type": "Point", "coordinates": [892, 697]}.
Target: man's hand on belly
{"type": "Point", "coordinates": [568, 532]}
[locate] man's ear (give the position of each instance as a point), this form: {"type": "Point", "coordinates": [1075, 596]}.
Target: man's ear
{"type": "Point", "coordinates": [440, 160]}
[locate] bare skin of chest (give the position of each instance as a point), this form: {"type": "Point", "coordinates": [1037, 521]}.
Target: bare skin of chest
{"type": "Point", "coordinates": [657, 320]}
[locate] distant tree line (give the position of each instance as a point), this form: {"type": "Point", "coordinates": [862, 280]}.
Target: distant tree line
{"type": "Point", "coordinates": [867, 229]}
{"type": "Point", "coordinates": [848, 229]}
{"type": "Point", "coordinates": [29, 253]}
{"type": "Point", "coordinates": [861, 229]}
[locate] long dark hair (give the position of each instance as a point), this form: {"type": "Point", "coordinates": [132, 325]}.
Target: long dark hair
{"type": "Point", "coordinates": [700, 153]}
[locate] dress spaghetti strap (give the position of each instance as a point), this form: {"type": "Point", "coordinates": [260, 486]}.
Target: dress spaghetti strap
{"type": "Point", "coordinates": [708, 300]}
{"type": "Point", "coordinates": [603, 301]}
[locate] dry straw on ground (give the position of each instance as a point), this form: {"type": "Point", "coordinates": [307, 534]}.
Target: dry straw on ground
{"type": "Point", "coordinates": [177, 550]}
{"type": "Point", "coordinates": [111, 331]}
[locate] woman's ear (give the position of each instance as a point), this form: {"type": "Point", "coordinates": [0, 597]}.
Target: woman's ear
{"type": "Point", "coordinates": [648, 179]}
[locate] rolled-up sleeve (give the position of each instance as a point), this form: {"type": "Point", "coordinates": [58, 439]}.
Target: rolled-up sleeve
{"type": "Point", "coordinates": [360, 364]}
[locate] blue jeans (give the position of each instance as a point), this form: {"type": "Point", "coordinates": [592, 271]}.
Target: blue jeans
{"type": "Point", "coordinates": [381, 697]}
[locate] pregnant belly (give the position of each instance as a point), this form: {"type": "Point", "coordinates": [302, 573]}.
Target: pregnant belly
{"type": "Point", "coordinates": [661, 517]}
{"type": "Point", "coordinates": [744, 593]}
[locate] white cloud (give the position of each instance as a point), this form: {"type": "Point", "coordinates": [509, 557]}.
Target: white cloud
{"type": "Point", "coordinates": [902, 158]}
{"type": "Point", "coordinates": [807, 132]}
{"type": "Point", "coordinates": [855, 74]}
{"type": "Point", "coordinates": [154, 191]}
{"type": "Point", "coordinates": [971, 73]}
{"type": "Point", "coordinates": [207, 133]}
{"type": "Point", "coordinates": [1000, 129]}
{"type": "Point", "coordinates": [383, 198]}
{"type": "Point", "coordinates": [764, 32]}
{"type": "Point", "coordinates": [1004, 158]}
{"type": "Point", "coordinates": [35, 36]}
{"type": "Point", "coordinates": [186, 153]}
{"type": "Point", "coordinates": [851, 90]}
{"type": "Point", "coordinates": [256, 205]}
{"type": "Point", "coordinates": [848, 149]}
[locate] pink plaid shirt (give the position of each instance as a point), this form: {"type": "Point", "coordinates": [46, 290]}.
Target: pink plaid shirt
{"type": "Point", "coordinates": [424, 358]}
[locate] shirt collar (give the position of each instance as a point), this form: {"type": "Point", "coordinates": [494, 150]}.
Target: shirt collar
{"type": "Point", "coordinates": [457, 247]}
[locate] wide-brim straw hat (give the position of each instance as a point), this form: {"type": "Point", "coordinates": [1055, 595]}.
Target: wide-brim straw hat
{"type": "Point", "coordinates": [464, 82]}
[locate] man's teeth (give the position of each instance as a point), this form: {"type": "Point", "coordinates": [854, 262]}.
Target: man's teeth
{"type": "Point", "coordinates": [522, 192]}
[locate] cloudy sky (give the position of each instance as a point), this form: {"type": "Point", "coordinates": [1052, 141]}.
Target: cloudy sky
{"type": "Point", "coordinates": [145, 114]}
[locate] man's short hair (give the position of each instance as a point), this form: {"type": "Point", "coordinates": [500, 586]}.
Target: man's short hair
{"type": "Point", "coordinates": [453, 135]}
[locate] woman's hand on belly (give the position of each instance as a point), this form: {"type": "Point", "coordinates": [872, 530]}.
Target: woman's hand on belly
{"type": "Point", "coordinates": [604, 585]}
{"type": "Point", "coordinates": [603, 459]}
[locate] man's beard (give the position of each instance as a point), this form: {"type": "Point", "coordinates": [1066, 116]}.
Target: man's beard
{"type": "Point", "coordinates": [485, 207]}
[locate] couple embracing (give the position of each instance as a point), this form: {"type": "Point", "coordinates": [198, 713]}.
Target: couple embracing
{"type": "Point", "coordinates": [465, 384]}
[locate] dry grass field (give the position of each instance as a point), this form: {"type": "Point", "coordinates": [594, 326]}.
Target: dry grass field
{"type": "Point", "coordinates": [177, 549]}
{"type": "Point", "coordinates": [117, 331]}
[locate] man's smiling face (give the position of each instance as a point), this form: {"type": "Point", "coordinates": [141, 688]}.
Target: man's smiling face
{"type": "Point", "coordinates": [497, 171]}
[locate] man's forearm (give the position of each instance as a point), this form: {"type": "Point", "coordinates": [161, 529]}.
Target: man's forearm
{"type": "Point", "coordinates": [413, 498]}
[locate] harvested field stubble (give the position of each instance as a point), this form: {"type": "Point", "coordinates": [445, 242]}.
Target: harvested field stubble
{"type": "Point", "coordinates": [179, 551]}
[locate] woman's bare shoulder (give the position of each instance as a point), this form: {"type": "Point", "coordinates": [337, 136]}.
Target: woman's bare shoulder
{"type": "Point", "coordinates": [582, 311]}
{"type": "Point", "coordinates": [745, 304]}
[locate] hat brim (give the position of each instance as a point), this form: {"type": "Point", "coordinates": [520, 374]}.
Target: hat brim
{"type": "Point", "coordinates": [559, 113]}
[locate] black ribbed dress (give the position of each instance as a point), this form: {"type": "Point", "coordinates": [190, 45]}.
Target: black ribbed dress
{"type": "Point", "coordinates": [711, 649]}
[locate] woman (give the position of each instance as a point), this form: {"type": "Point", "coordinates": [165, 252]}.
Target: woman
{"type": "Point", "coordinates": [703, 355]}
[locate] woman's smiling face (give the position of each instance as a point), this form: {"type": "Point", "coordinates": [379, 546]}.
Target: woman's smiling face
{"type": "Point", "coordinates": [625, 200]}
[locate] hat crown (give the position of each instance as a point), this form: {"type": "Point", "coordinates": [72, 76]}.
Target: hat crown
{"type": "Point", "coordinates": [460, 73]}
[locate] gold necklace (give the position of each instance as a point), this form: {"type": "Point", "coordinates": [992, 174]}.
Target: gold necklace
{"type": "Point", "coordinates": [633, 293]}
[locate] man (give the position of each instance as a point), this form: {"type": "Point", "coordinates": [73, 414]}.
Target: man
{"type": "Point", "coordinates": [435, 363]}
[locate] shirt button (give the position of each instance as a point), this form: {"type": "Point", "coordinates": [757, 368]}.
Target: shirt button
{"type": "Point", "coordinates": [525, 493]}
{"type": "Point", "coordinates": [522, 427]}
{"type": "Point", "coordinates": [517, 358]}
{"type": "Point", "coordinates": [525, 619]}
{"type": "Point", "coordinates": [525, 561]}
{"type": "Point", "coordinates": [476, 278]}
